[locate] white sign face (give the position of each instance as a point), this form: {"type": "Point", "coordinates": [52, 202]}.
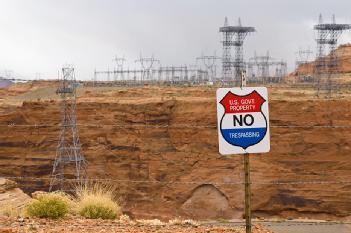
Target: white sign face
{"type": "Point", "coordinates": [243, 120]}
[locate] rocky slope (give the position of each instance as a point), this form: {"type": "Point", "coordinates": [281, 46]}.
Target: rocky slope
{"type": "Point", "coordinates": [343, 54]}
{"type": "Point", "coordinates": [160, 146]}
{"type": "Point", "coordinates": [12, 198]}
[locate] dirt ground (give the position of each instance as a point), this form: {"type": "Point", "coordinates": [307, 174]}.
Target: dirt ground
{"type": "Point", "coordinates": [8, 225]}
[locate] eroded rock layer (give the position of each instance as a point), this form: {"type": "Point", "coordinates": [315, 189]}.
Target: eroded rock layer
{"type": "Point", "coordinates": [160, 146]}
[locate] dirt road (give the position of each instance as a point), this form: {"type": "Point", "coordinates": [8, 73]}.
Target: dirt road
{"type": "Point", "coordinates": [309, 228]}
{"type": "Point", "coordinates": [301, 226]}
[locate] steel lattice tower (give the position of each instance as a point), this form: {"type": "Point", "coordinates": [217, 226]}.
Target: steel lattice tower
{"type": "Point", "coordinates": [233, 36]}
{"type": "Point", "coordinates": [210, 64]}
{"type": "Point", "coordinates": [147, 64]}
{"type": "Point", "coordinates": [69, 162]}
{"type": "Point", "coordinates": [327, 63]}
{"type": "Point", "coordinates": [118, 71]}
{"type": "Point", "coordinates": [302, 59]}
{"type": "Point", "coordinates": [259, 69]}
{"type": "Point", "coordinates": [262, 62]}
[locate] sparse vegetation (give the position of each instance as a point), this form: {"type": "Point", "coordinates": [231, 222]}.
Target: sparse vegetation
{"type": "Point", "coordinates": [97, 201]}
{"type": "Point", "coordinates": [175, 221]}
{"type": "Point", "coordinates": [222, 220]}
{"type": "Point", "coordinates": [10, 210]}
{"type": "Point", "coordinates": [181, 222]}
{"type": "Point", "coordinates": [125, 219]}
{"type": "Point", "coordinates": [151, 222]}
{"type": "Point", "coordinates": [49, 205]}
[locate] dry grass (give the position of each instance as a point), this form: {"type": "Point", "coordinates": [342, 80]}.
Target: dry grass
{"type": "Point", "coordinates": [10, 210]}
{"type": "Point", "coordinates": [97, 200]}
{"type": "Point", "coordinates": [181, 222]}
{"type": "Point", "coordinates": [62, 195]}
{"type": "Point", "coordinates": [125, 219]}
{"type": "Point", "coordinates": [151, 222]}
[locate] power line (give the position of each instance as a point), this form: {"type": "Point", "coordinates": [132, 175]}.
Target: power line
{"type": "Point", "coordinates": [294, 182]}
{"type": "Point", "coordinates": [127, 126]}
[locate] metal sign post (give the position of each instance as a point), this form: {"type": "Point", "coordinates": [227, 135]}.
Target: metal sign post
{"type": "Point", "coordinates": [247, 192]}
{"type": "Point", "coordinates": [243, 128]}
{"type": "Point", "coordinates": [247, 177]}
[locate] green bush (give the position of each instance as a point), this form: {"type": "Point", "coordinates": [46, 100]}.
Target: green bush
{"type": "Point", "coordinates": [49, 205]}
{"type": "Point", "coordinates": [95, 211]}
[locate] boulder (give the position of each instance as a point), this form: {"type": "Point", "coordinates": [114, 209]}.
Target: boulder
{"type": "Point", "coordinates": [207, 202]}
{"type": "Point", "coordinates": [12, 198]}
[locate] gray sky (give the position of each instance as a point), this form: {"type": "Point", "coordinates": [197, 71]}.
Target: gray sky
{"type": "Point", "coordinates": [42, 35]}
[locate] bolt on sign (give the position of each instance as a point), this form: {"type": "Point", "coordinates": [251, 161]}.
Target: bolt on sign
{"type": "Point", "coordinates": [243, 120]}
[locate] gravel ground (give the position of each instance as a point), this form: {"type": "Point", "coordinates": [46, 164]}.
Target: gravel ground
{"type": "Point", "coordinates": [311, 228]}
{"type": "Point", "coordinates": [8, 225]}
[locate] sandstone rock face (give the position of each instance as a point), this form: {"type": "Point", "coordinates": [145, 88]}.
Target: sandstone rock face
{"type": "Point", "coordinates": [6, 185]}
{"type": "Point", "coordinates": [37, 194]}
{"type": "Point", "coordinates": [160, 146]}
{"type": "Point", "coordinates": [12, 198]}
{"type": "Point", "coordinates": [207, 201]}
{"type": "Point", "coordinates": [343, 54]}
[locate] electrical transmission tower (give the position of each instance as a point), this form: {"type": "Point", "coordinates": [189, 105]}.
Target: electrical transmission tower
{"type": "Point", "coordinates": [147, 64]}
{"type": "Point", "coordinates": [69, 162]}
{"type": "Point", "coordinates": [259, 69]}
{"type": "Point", "coordinates": [303, 57]}
{"type": "Point", "coordinates": [327, 63]}
{"type": "Point", "coordinates": [233, 36]}
{"type": "Point", "coordinates": [280, 71]}
{"type": "Point", "coordinates": [8, 74]}
{"type": "Point", "coordinates": [118, 72]}
{"type": "Point", "coordinates": [262, 63]}
{"type": "Point", "coordinates": [210, 65]}
{"type": "Point", "coordinates": [302, 60]}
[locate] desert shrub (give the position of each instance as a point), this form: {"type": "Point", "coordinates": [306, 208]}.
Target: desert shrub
{"type": "Point", "coordinates": [62, 195]}
{"type": "Point", "coordinates": [10, 210]}
{"type": "Point", "coordinates": [125, 219]}
{"type": "Point", "coordinates": [97, 210]}
{"type": "Point", "coordinates": [186, 222]}
{"type": "Point", "coordinates": [151, 222]}
{"type": "Point", "coordinates": [97, 201]}
{"type": "Point", "coordinates": [49, 205]}
{"type": "Point", "coordinates": [175, 221]}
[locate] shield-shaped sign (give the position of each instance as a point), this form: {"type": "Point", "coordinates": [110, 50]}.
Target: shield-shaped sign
{"type": "Point", "coordinates": [243, 124]}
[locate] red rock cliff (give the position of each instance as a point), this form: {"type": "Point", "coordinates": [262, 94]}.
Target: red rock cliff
{"type": "Point", "coordinates": [177, 169]}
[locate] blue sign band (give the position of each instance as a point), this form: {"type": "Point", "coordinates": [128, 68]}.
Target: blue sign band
{"type": "Point", "coordinates": [244, 137]}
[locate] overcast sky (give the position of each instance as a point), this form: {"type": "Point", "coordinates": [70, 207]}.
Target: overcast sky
{"type": "Point", "coordinates": [39, 36]}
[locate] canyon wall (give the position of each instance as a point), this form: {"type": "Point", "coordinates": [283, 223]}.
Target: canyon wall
{"type": "Point", "coordinates": [160, 147]}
